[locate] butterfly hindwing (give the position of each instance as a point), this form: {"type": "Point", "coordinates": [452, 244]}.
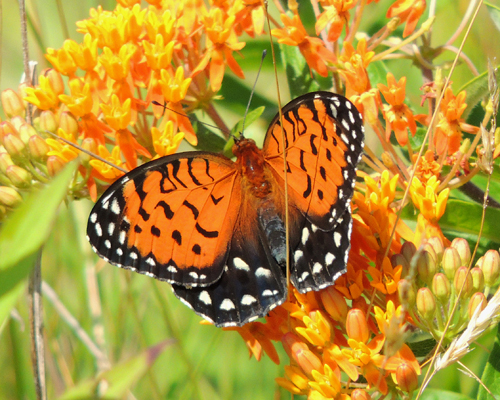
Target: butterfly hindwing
{"type": "Point", "coordinates": [252, 283]}
{"type": "Point", "coordinates": [170, 218]}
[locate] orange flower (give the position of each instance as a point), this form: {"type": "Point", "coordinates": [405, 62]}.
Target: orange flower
{"type": "Point", "coordinates": [313, 49]}
{"type": "Point", "coordinates": [250, 17]}
{"type": "Point", "coordinates": [408, 11]}
{"type": "Point", "coordinates": [337, 15]}
{"type": "Point", "coordinates": [221, 42]}
{"type": "Point", "coordinates": [354, 69]}
{"type": "Point", "coordinates": [166, 142]}
{"type": "Point", "coordinates": [398, 115]}
{"type": "Point", "coordinates": [44, 96]}
{"type": "Point", "coordinates": [386, 280]}
{"type": "Point", "coordinates": [105, 171]}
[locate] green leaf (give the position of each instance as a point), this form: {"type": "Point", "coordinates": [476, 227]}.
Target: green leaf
{"type": "Point", "coordinates": [494, 13]}
{"type": "Point", "coordinates": [119, 379]}
{"type": "Point", "coordinates": [491, 374]}
{"type": "Point", "coordinates": [207, 140]}
{"type": "Point", "coordinates": [477, 89]}
{"type": "Point", "coordinates": [298, 73]}
{"type": "Point", "coordinates": [465, 217]}
{"type": "Point", "coordinates": [250, 118]}
{"type": "Point", "coordinates": [438, 394]}
{"type": "Point", "coordinates": [28, 227]}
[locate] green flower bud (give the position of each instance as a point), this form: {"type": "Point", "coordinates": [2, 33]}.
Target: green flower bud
{"type": "Point", "coordinates": [451, 262]}
{"type": "Point", "coordinates": [477, 279]}
{"type": "Point", "coordinates": [408, 250]}
{"type": "Point", "coordinates": [463, 278]}
{"type": "Point", "coordinates": [9, 197]}
{"type": "Point", "coordinates": [463, 249]}
{"type": "Point", "coordinates": [426, 267]}
{"type": "Point", "coordinates": [18, 176]}
{"type": "Point", "coordinates": [426, 304]}
{"type": "Point", "coordinates": [441, 288]}
{"type": "Point", "coordinates": [478, 299]}
{"type": "Point", "coordinates": [491, 267]}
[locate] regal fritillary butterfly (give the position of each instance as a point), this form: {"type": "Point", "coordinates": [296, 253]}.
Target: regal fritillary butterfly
{"type": "Point", "coordinates": [214, 228]}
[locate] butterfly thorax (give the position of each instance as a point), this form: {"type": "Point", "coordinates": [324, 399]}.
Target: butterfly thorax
{"type": "Point", "coordinates": [251, 164]}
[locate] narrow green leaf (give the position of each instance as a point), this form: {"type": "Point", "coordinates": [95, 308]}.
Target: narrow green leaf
{"type": "Point", "coordinates": [27, 229]}
{"type": "Point", "coordinates": [438, 394]}
{"type": "Point", "coordinates": [298, 73]}
{"type": "Point", "coordinates": [250, 118]}
{"type": "Point", "coordinates": [491, 374]}
{"type": "Point", "coordinates": [207, 140]}
{"type": "Point", "coordinates": [119, 379]}
{"type": "Point", "coordinates": [8, 301]}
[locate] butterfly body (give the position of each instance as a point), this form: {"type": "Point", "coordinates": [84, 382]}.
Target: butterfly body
{"type": "Point", "coordinates": [215, 229]}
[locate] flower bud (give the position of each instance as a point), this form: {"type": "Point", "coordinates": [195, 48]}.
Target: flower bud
{"type": "Point", "coordinates": [451, 262]}
{"type": "Point", "coordinates": [426, 303]}
{"type": "Point", "coordinates": [38, 148]}
{"type": "Point", "coordinates": [9, 197]}
{"type": "Point", "coordinates": [462, 277]}
{"type": "Point", "coordinates": [441, 288]}
{"type": "Point", "coordinates": [356, 325]}
{"type": "Point", "coordinates": [478, 299]}
{"type": "Point", "coordinates": [5, 161]}
{"type": "Point", "coordinates": [406, 293]}
{"type": "Point", "coordinates": [406, 377]}
{"type": "Point", "coordinates": [68, 123]}
{"type": "Point", "coordinates": [14, 146]}
{"type": "Point", "coordinates": [437, 245]}
{"type": "Point", "coordinates": [17, 122]}
{"type": "Point", "coordinates": [491, 267]}
{"type": "Point", "coordinates": [463, 249]}
{"type": "Point", "coordinates": [55, 80]}
{"type": "Point", "coordinates": [18, 176]}
{"type": "Point", "coordinates": [54, 165]}
{"type": "Point", "coordinates": [399, 259]}
{"type": "Point", "coordinates": [360, 394]}
{"type": "Point", "coordinates": [88, 144]}
{"type": "Point", "coordinates": [26, 131]}
{"type": "Point", "coordinates": [334, 303]}
{"type": "Point", "coordinates": [7, 128]}
{"type": "Point", "coordinates": [12, 103]}
{"type": "Point", "coordinates": [300, 353]}
{"type": "Point", "coordinates": [408, 250]}
{"type": "Point", "coordinates": [477, 279]}
{"type": "Point", "coordinates": [426, 267]}
{"type": "Point", "coordinates": [48, 121]}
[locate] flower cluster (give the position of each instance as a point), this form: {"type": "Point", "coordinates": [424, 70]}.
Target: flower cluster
{"type": "Point", "coordinates": [103, 95]}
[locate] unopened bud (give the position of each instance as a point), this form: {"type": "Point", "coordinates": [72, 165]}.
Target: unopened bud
{"type": "Point", "coordinates": [54, 165]}
{"type": "Point", "coordinates": [463, 249]}
{"type": "Point", "coordinates": [14, 146]}
{"type": "Point", "coordinates": [9, 197]}
{"type": "Point", "coordinates": [360, 394]}
{"type": "Point", "coordinates": [300, 353]}
{"type": "Point", "coordinates": [451, 262]}
{"type": "Point", "coordinates": [334, 303]}
{"type": "Point", "coordinates": [90, 145]}
{"type": "Point", "coordinates": [7, 128]}
{"type": "Point", "coordinates": [5, 161]}
{"type": "Point", "coordinates": [38, 148]}
{"type": "Point", "coordinates": [399, 259]}
{"type": "Point", "coordinates": [408, 250]}
{"type": "Point", "coordinates": [426, 267]}
{"type": "Point", "coordinates": [56, 81]}
{"type": "Point", "coordinates": [477, 279]}
{"type": "Point", "coordinates": [12, 103]}
{"type": "Point", "coordinates": [441, 288]}
{"type": "Point", "coordinates": [478, 299]}
{"type": "Point", "coordinates": [26, 131]}
{"type": "Point", "coordinates": [68, 123]}
{"type": "Point", "coordinates": [463, 278]}
{"type": "Point", "coordinates": [356, 325]}
{"type": "Point", "coordinates": [48, 121]}
{"type": "Point", "coordinates": [465, 146]}
{"type": "Point", "coordinates": [387, 160]}
{"type": "Point", "coordinates": [437, 245]}
{"type": "Point", "coordinates": [491, 267]}
{"type": "Point", "coordinates": [406, 377]}
{"type": "Point", "coordinates": [18, 176]}
{"type": "Point", "coordinates": [426, 304]}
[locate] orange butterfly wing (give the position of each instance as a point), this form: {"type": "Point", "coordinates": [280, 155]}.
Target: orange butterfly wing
{"type": "Point", "coordinates": [171, 218]}
{"type": "Point", "coordinates": [323, 144]}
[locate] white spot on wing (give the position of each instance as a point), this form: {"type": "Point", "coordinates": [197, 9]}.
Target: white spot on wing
{"type": "Point", "coordinates": [317, 268]}
{"type": "Point", "coordinates": [119, 252]}
{"type": "Point", "coordinates": [344, 138]}
{"type": "Point", "coordinates": [263, 273]}
{"type": "Point", "coordinates": [121, 238]}
{"type": "Point", "coordinates": [240, 264]}
{"type": "Point", "coordinates": [337, 237]}
{"type": "Point", "coordinates": [267, 293]}
{"type": "Point", "coordinates": [133, 255]}
{"type": "Point", "coordinates": [171, 269]}
{"type": "Point", "coordinates": [329, 258]}
{"type": "Point", "coordinates": [205, 298]}
{"type": "Point", "coordinates": [297, 255]}
{"type": "Point", "coordinates": [150, 261]}
{"type": "Point", "coordinates": [348, 105]}
{"type": "Point", "coordinates": [193, 274]}
{"type": "Point", "coordinates": [107, 243]}
{"type": "Point", "coordinates": [305, 235]}
{"type": "Point", "coordinates": [93, 217]}
{"type": "Point", "coordinates": [351, 117]}
{"type": "Point", "coordinates": [111, 228]}
{"type": "Point", "coordinates": [115, 207]}
{"type": "Point", "coordinates": [227, 305]}
{"type": "Point", "coordinates": [247, 300]}
{"type": "Point", "coordinates": [345, 124]}
{"type": "Point", "coordinates": [98, 229]}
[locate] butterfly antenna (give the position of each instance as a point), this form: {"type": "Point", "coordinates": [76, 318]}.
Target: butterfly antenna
{"type": "Point", "coordinates": [264, 53]}
{"type": "Point", "coordinates": [87, 152]}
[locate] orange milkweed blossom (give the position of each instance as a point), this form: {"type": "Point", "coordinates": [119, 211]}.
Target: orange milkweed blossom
{"type": "Point", "coordinates": [336, 14]}
{"type": "Point", "coordinates": [408, 11]}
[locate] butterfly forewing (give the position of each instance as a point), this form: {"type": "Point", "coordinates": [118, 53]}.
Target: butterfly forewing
{"type": "Point", "coordinates": [171, 218]}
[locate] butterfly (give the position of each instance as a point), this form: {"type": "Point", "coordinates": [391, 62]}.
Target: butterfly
{"type": "Point", "coordinates": [215, 228]}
